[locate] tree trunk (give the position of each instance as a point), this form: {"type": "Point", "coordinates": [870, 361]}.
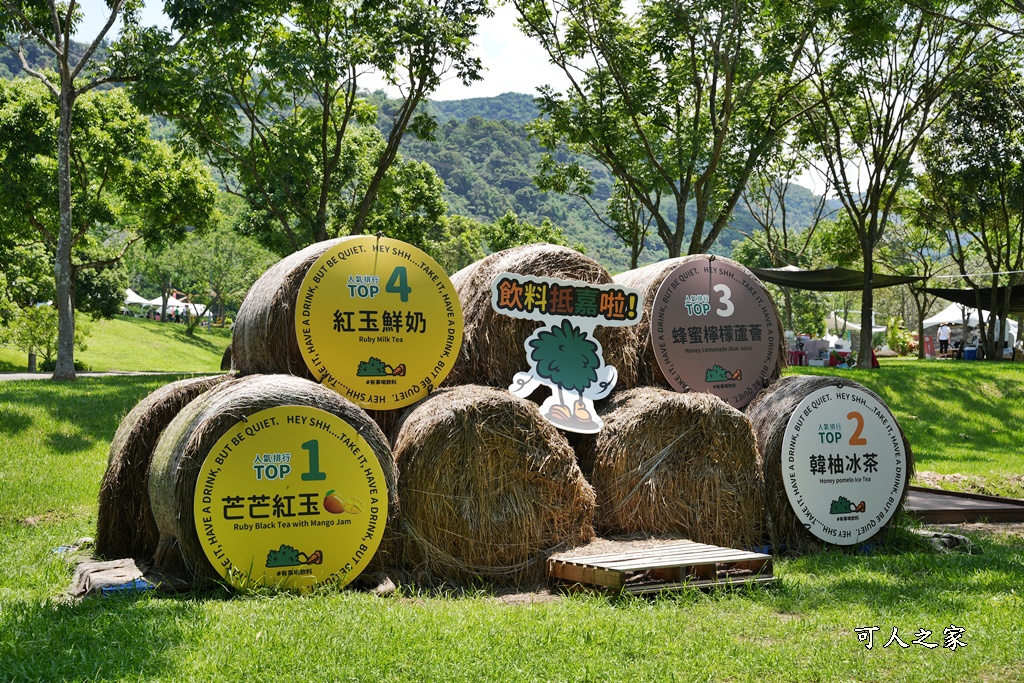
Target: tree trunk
{"type": "Point", "coordinates": [62, 271]}
{"type": "Point", "coordinates": [787, 297]}
{"type": "Point", "coordinates": [920, 304]}
{"type": "Point", "coordinates": [32, 362]}
{"type": "Point", "coordinates": [867, 302]}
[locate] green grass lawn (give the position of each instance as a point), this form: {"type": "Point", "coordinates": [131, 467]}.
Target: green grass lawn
{"type": "Point", "coordinates": [54, 439]}
{"type": "Point", "coordinates": [961, 417]}
{"type": "Point", "coordinates": [137, 344]}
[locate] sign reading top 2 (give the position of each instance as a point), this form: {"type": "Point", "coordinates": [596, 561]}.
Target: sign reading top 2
{"type": "Point", "coordinates": [378, 321]}
{"type": "Point", "coordinates": [715, 330]}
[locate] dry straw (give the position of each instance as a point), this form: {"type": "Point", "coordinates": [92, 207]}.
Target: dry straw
{"type": "Point", "coordinates": [492, 346]}
{"type": "Point", "coordinates": [125, 526]}
{"type": "Point", "coordinates": [489, 488]}
{"type": "Point", "coordinates": [770, 413]}
{"type": "Point", "coordinates": [190, 437]}
{"type": "Point", "coordinates": [648, 279]}
{"type": "Point", "coordinates": [264, 339]}
{"type": "Point", "coordinates": [679, 464]}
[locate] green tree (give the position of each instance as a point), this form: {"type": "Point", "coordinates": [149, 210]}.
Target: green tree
{"type": "Point", "coordinates": [678, 101]}
{"type": "Point", "coordinates": [972, 195]}
{"type": "Point", "coordinates": [459, 243]}
{"type": "Point", "coordinates": [216, 268]}
{"type": "Point", "coordinates": [803, 310]}
{"type": "Point", "coordinates": [51, 23]}
{"type": "Point", "coordinates": [910, 247]}
{"type": "Point", "coordinates": [34, 331]}
{"type": "Point", "coordinates": [780, 241]}
{"type": "Point", "coordinates": [878, 72]}
{"type": "Point", "coordinates": [125, 187]}
{"type": "Point", "coordinates": [269, 92]}
{"type": "Point", "coordinates": [509, 231]}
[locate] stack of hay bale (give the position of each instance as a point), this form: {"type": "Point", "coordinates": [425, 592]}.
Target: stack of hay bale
{"type": "Point", "coordinates": [145, 502]}
{"type": "Point", "coordinates": [488, 487]}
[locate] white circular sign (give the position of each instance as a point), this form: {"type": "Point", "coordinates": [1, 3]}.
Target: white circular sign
{"type": "Point", "coordinates": [844, 464]}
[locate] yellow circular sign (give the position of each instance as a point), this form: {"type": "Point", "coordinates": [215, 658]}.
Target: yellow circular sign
{"type": "Point", "coordinates": [378, 321]}
{"type": "Point", "coordinates": [290, 497]}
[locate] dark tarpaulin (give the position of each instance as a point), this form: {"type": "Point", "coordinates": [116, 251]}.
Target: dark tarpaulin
{"type": "Point", "coordinates": [829, 279]}
{"type": "Point", "coordinates": [967, 297]}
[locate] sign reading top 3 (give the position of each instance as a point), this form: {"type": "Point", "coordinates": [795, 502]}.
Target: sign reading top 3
{"type": "Point", "coordinates": [378, 321]}
{"type": "Point", "coordinates": [714, 329]}
{"type": "Point", "coordinates": [291, 497]}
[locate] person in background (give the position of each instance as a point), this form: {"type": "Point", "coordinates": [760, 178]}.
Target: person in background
{"type": "Point", "coordinates": [943, 340]}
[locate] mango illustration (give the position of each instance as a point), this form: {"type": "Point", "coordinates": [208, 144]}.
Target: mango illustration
{"type": "Point", "coordinates": [333, 503]}
{"type": "Point", "coordinates": [353, 506]}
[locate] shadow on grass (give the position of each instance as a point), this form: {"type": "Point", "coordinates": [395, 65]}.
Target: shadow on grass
{"type": "Point", "coordinates": [13, 421]}
{"type": "Point", "coordinates": [108, 638]}
{"type": "Point", "coordinates": [92, 406]}
{"type": "Point", "coordinates": [66, 444]}
{"type": "Point", "coordinates": [908, 580]}
{"type": "Point", "coordinates": [198, 341]}
{"type": "Point", "coordinates": [6, 366]}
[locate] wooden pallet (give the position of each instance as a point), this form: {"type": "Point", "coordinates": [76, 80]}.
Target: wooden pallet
{"type": "Point", "coordinates": [669, 567]}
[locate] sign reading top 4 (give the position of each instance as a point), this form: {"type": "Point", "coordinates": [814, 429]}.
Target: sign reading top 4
{"type": "Point", "coordinates": [378, 321]}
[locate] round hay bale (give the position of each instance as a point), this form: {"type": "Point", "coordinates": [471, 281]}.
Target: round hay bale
{"type": "Point", "coordinates": [125, 526]}
{"type": "Point", "coordinates": [489, 488]}
{"type": "Point", "coordinates": [264, 340]}
{"type": "Point", "coordinates": [493, 344]}
{"type": "Point", "coordinates": [189, 437]}
{"type": "Point", "coordinates": [769, 414]}
{"type": "Point", "coordinates": [680, 464]}
{"type": "Point", "coordinates": [648, 279]}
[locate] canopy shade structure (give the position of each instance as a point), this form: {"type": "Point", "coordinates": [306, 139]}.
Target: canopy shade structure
{"type": "Point", "coordinates": [174, 304]}
{"type": "Point", "coordinates": [837, 322]}
{"type": "Point", "coordinates": [829, 279]}
{"type": "Point", "coordinates": [130, 297]}
{"type": "Point", "coordinates": [966, 297]}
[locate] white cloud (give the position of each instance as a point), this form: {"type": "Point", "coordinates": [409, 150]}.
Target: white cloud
{"type": "Point", "coordinates": [512, 62]}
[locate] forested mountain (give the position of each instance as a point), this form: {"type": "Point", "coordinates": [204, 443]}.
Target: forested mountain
{"type": "Point", "coordinates": [39, 57]}
{"type": "Point", "coordinates": [511, 106]}
{"type": "Point", "coordinates": [482, 152]}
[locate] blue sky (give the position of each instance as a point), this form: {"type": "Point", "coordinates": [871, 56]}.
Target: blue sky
{"type": "Point", "coordinates": [513, 62]}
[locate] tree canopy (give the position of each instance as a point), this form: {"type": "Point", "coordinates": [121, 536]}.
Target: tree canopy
{"type": "Point", "coordinates": [279, 112]}
{"type": "Point", "coordinates": [678, 101]}
{"type": "Point", "coordinates": [125, 186]}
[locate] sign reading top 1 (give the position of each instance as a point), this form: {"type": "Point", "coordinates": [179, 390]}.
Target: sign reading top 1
{"type": "Point", "coordinates": [378, 321]}
{"type": "Point", "coordinates": [291, 496]}
{"type": "Point", "coordinates": [715, 330]}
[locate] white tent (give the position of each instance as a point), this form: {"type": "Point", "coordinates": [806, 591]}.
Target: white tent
{"type": "Point", "coordinates": [172, 303]}
{"type": "Point", "coordinates": [130, 297]}
{"type": "Point", "coordinates": [954, 315]}
{"type": "Point", "coordinates": [197, 310]}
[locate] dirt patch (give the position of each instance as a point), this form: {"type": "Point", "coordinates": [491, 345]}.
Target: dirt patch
{"type": "Point", "coordinates": [1003, 530]}
{"type": "Point", "coordinates": [1011, 485]}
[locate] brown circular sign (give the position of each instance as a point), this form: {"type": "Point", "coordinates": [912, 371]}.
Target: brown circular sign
{"type": "Point", "coordinates": [714, 329]}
